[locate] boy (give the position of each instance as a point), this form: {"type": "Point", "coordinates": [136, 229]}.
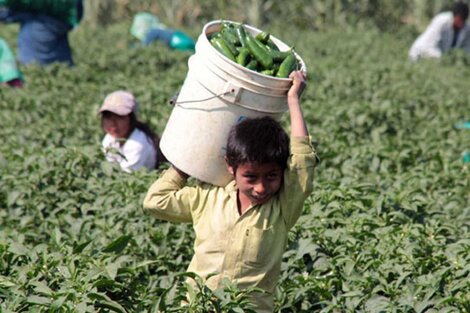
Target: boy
{"type": "Point", "coordinates": [241, 229]}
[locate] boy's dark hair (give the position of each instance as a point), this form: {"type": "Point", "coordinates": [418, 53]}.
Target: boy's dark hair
{"type": "Point", "coordinates": [257, 140]}
{"type": "Point", "coordinates": [460, 8]}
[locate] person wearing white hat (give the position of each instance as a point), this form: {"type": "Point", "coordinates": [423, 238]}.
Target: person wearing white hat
{"type": "Point", "coordinates": [128, 141]}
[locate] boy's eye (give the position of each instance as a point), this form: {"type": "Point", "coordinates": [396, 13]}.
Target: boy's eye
{"type": "Point", "coordinates": [273, 176]}
{"type": "Point", "coordinates": [250, 177]}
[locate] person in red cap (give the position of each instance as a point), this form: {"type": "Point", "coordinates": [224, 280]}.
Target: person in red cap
{"type": "Point", "coordinates": [128, 141]}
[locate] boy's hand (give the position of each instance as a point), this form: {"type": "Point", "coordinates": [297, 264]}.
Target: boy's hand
{"type": "Point", "coordinates": [298, 84]}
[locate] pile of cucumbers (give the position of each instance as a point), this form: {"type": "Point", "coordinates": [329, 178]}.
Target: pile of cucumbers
{"type": "Point", "coordinates": [258, 53]}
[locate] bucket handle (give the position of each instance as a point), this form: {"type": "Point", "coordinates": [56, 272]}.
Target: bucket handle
{"type": "Point", "coordinates": [230, 91]}
{"type": "Point", "coordinates": [173, 99]}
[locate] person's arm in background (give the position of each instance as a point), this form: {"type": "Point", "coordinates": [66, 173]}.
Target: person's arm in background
{"type": "Point", "coordinates": [159, 34]}
{"type": "Point", "coordinates": [427, 44]}
{"type": "Point", "coordinates": [466, 41]}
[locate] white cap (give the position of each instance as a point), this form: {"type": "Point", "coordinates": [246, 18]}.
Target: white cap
{"type": "Point", "coordinates": [119, 102]}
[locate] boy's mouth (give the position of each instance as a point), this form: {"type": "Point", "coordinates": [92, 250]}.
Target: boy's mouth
{"type": "Point", "coordinates": [261, 198]}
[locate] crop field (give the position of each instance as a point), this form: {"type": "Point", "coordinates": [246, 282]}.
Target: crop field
{"type": "Point", "coordinates": [387, 228]}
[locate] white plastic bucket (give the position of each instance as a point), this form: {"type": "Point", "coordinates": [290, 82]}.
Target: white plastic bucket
{"type": "Point", "coordinates": [216, 94]}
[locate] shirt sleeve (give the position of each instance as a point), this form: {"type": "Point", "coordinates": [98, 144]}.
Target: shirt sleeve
{"type": "Point", "coordinates": [428, 43]}
{"type": "Point", "coordinates": [170, 199]}
{"type": "Point", "coordinates": [466, 40]}
{"type": "Point", "coordinates": [298, 179]}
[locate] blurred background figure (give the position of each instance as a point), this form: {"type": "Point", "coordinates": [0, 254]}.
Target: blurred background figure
{"type": "Point", "coordinates": [447, 30]}
{"type": "Point", "coordinates": [128, 141]}
{"type": "Point", "coordinates": [9, 73]}
{"type": "Point", "coordinates": [147, 28]}
{"type": "Point", "coordinates": [44, 28]}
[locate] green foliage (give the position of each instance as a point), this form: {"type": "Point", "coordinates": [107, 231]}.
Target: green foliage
{"type": "Point", "coordinates": [386, 15]}
{"type": "Point", "coordinates": [195, 297]}
{"type": "Point", "coordinates": [386, 229]}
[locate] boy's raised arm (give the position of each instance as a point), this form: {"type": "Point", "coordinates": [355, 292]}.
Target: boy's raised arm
{"type": "Point", "coordinates": [298, 125]}
{"type": "Point", "coordinates": [298, 180]}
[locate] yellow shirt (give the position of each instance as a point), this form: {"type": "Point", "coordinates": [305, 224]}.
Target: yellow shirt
{"type": "Point", "coordinates": [247, 249]}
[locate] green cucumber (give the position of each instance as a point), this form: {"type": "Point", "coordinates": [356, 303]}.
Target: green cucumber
{"type": "Point", "coordinates": [263, 37]}
{"type": "Point", "coordinates": [243, 56]}
{"type": "Point", "coordinates": [230, 36]}
{"type": "Point", "coordinates": [260, 53]}
{"type": "Point", "coordinates": [222, 48]}
{"type": "Point", "coordinates": [229, 45]}
{"type": "Point", "coordinates": [268, 72]}
{"type": "Point", "coordinates": [252, 65]}
{"type": "Point", "coordinates": [287, 66]}
{"type": "Point", "coordinates": [279, 55]}
{"type": "Point", "coordinates": [241, 34]}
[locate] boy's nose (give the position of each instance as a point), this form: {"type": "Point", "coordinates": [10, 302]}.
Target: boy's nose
{"type": "Point", "coordinates": [260, 188]}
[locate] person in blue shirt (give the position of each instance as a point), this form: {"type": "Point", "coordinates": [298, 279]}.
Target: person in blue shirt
{"type": "Point", "coordinates": [42, 38]}
{"type": "Point", "coordinates": [147, 28]}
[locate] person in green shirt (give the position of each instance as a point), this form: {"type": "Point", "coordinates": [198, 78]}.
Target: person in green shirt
{"type": "Point", "coordinates": [241, 229]}
{"type": "Point", "coordinates": [10, 75]}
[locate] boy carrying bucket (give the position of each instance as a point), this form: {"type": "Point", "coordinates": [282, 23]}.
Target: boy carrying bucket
{"type": "Point", "coordinates": [241, 229]}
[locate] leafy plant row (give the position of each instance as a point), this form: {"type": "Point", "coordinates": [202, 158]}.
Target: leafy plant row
{"type": "Point", "coordinates": [386, 229]}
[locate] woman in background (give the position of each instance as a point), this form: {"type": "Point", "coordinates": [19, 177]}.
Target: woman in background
{"type": "Point", "coordinates": [128, 141]}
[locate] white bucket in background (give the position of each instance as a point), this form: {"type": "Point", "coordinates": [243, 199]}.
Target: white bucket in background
{"type": "Point", "coordinates": [216, 94]}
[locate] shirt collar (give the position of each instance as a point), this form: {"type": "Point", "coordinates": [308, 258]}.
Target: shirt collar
{"type": "Point", "coordinates": [231, 186]}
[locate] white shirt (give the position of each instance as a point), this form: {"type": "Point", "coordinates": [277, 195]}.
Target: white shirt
{"type": "Point", "coordinates": [437, 38]}
{"type": "Point", "coordinates": [136, 152]}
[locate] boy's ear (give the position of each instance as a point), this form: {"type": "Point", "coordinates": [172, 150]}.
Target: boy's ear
{"type": "Point", "coordinates": [229, 168]}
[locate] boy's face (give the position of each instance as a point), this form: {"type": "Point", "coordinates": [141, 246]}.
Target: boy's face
{"type": "Point", "coordinates": [257, 183]}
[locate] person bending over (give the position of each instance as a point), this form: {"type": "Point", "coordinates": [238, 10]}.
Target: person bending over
{"type": "Point", "coordinates": [448, 30]}
{"type": "Point", "coordinates": [147, 28]}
